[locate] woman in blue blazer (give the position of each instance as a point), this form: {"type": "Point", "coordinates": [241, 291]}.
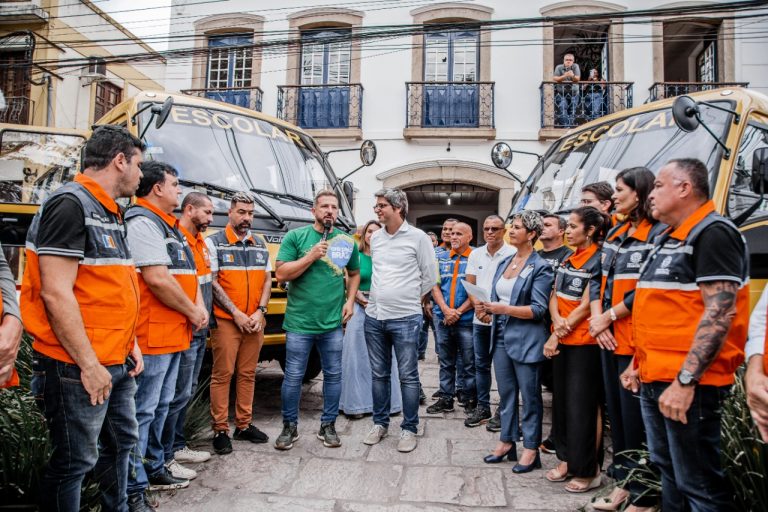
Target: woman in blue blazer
{"type": "Point", "coordinates": [519, 302]}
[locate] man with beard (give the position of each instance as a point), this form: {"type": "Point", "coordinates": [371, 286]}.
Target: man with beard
{"type": "Point", "coordinates": [242, 283]}
{"type": "Point", "coordinates": [196, 215]}
{"type": "Point", "coordinates": [313, 260]}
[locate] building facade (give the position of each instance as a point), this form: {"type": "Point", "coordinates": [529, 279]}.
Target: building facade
{"type": "Point", "coordinates": [56, 63]}
{"type": "Point", "coordinates": [436, 84]}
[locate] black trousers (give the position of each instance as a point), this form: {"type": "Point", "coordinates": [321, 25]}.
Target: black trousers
{"type": "Point", "coordinates": [576, 398]}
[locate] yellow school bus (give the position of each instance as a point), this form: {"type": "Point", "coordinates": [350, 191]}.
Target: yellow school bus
{"type": "Point", "coordinates": [727, 129]}
{"type": "Point", "coordinates": [217, 149]}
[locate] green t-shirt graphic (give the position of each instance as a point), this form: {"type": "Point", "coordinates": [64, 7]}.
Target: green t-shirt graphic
{"type": "Point", "coordinates": [316, 297]}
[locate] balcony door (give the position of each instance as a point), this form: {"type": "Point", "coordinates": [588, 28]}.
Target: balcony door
{"type": "Point", "coordinates": [325, 71]}
{"type": "Point", "coordinates": [230, 67]}
{"type": "Point", "coordinates": [452, 60]}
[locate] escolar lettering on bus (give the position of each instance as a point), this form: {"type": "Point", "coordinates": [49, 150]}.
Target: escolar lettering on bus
{"type": "Point", "coordinates": [226, 121]}
{"type": "Point", "coordinates": [625, 126]}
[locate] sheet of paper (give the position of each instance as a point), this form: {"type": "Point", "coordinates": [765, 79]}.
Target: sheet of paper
{"type": "Point", "coordinates": [477, 292]}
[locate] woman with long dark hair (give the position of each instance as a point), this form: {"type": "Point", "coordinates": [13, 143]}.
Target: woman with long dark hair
{"type": "Point", "coordinates": [576, 367]}
{"type": "Point", "coordinates": [625, 250]}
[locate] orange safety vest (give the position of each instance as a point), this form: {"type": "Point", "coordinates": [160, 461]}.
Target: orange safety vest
{"type": "Point", "coordinates": [203, 265]}
{"type": "Point", "coordinates": [621, 261]}
{"type": "Point", "coordinates": [668, 307]}
{"type": "Point", "coordinates": [106, 287]}
{"type": "Point", "coordinates": [241, 271]}
{"type": "Point", "coordinates": [573, 277]}
{"type": "Point", "coordinates": [161, 329]}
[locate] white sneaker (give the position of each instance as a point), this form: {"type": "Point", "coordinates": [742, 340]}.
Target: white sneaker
{"type": "Point", "coordinates": [375, 435]}
{"type": "Point", "coordinates": [188, 455]}
{"type": "Point", "coordinates": [179, 471]}
{"type": "Point", "coordinates": [407, 441]}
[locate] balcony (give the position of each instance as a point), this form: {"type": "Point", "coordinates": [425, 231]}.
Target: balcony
{"type": "Point", "coordinates": [247, 97]}
{"type": "Point", "coordinates": [16, 12]}
{"type": "Point", "coordinates": [17, 110]}
{"type": "Point", "coordinates": [661, 90]}
{"type": "Point", "coordinates": [449, 110]}
{"type": "Point", "coordinates": [333, 111]}
{"type": "Point", "coordinates": [567, 105]}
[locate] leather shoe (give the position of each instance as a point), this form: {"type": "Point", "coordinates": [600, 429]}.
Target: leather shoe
{"type": "Point", "coordinates": [527, 468]}
{"type": "Point", "coordinates": [510, 454]}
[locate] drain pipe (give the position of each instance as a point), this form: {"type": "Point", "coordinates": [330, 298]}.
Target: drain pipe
{"type": "Point", "coordinates": [49, 114]}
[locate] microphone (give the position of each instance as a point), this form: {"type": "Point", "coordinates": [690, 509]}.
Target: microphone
{"type": "Point", "coordinates": [326, 230]}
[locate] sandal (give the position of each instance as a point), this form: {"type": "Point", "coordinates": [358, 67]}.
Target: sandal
{"type": "Point", "coordinates": [580, 485]}
{"type": "Point", "coordinates": [554, 475]}
{"type": "Point", "coordinates": [611, 502]}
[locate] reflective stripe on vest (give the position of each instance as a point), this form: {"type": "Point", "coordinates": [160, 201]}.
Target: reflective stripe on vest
{"type": "Point", "coordinates": [242, 270]}
{"type": "Point", "coordinates": [570, 285]}
{"type": "Point", "coordinates": [668, 309]}
{"type": "Point", "coordinates": [621, 261]}
{"type": "Point", "coordinates": [161, 329]}
{"type": "Point", "coordinates": [106, 287]}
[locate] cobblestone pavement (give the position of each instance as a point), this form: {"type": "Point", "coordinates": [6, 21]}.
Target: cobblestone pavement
{"type": "Point", "coordinates": [445, 473]}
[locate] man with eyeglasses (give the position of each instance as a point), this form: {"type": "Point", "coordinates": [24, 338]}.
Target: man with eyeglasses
{"type": "Point", "coordinates": [481, 267]}
{"type": "Point", "coordinates": [403, 273]}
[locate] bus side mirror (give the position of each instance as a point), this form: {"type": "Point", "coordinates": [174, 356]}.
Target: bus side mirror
{"type": "Point", "coordinates": [162, 114]}
{"type": "Point", "coordinates": [368, 153]}
{"type": "Point", "coordinates": [349, 192]}
{"type": "Point", "coordinates": [501, 155]}
{"type": "Point", "coordinates": [760, 170]}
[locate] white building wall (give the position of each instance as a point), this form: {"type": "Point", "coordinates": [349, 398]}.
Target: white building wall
{"type": "Point", "coordinates": [516, 68]}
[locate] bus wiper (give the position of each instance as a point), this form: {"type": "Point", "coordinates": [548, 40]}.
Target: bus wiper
{"type": "Point", "coordinates": [298, 199]}
{"type": "Point", "coordinates": [230, 192]}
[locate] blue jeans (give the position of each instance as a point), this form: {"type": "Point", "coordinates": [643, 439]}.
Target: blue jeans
{"type": "Point", "coordinates": [424, 335]}
{"type": "Point", "coordinates": [190, 362]}
{"type": "Point", "coordinates": [84, 437]}
{"type": "Point", "coordinates": [381, 336]}
{"type": "Point", "coordinates": [688, 455]}
{"type": "Point", "coordinates": [298, 346]}
{"type": "Point", "coordinates": [156, 387]}
{"type": "Point", "coordinates": [452, 339]}
{"type": "Point", "coordinates": [515, 378]}
{"type": "Point", "coordinates": [481, 337]}
{"type": "Point", "coordinates": [595, 102]}
{"type": "Point", "coordinates": [565, 109]}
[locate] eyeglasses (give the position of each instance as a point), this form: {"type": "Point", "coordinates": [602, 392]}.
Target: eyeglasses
{"type": "Point", "coordinates": [492, 229]}
{"type": "Point", "coordinates": [379, 206]}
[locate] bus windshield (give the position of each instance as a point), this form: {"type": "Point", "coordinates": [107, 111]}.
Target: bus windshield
{"type": "Point", "coordinates": [598, 154]}
{"type": "Point", "coordinates": [239, 152]}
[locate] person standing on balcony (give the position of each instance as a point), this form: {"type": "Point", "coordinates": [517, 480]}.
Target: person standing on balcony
{"type": "Point", "coordinates": [689, 323]}
{"type": "Point", "coordinates": [453, 315]}
{"type": "Point", "coordinates": [196, 215]}
{"type": "Point", "coordinates": [242, 283]}
{"type": "Point", "coordinates": [403, 274]}
{"type": "Point", "coordinates": [594, 95]}
{"type": "Point", "coordinates": [567, 75]}
{"type": "Point", "coordinates": [80, 304]}
{"type": "Point", "coordinates": [315, 259]}
{"type": "Point", "coordinates": [171, 310]}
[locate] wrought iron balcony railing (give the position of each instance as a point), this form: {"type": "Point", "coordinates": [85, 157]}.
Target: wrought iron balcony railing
{"type": "Point", "coordinates": [661, 90]}
{"type": "Point", "coordinates": [566, 105]}
{"type": "Point", "coordinates": [449, 105]}
{"type": "Point", "coordinates": [248, 97]}
{"type": "Point", "coordinates": [17, 110]}
{"type": "Point", "coordinates": [321, 106]}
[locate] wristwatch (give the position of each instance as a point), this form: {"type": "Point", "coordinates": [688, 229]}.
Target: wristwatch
{"type": "Point", "coordinates": [686, 378]}
{"type": "Point", "coordinates": [263, 309]}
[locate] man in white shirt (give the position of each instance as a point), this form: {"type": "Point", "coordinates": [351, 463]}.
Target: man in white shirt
{"type": "Point", "coordinates": [481, 268]}
{"type": "Point", "coordinates": [404, 271]}
{"type": "Point", "coordinates": [756, 378]}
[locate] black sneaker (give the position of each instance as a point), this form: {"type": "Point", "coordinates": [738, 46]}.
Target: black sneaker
{"type": "Point", "coordinates": [286, 438]}
{"type": "Point", "coordinates": [443, 404]}
{"type": "Point", "coordinates": [327, 434]}
{"type": "Point", "coordinates": [547, 446]}
{"type": "Point", "coordinates": [221, 443]}
{"type": "Point", "coordinates": [462, 399]}
{"type": "Point", "coordinates": [479, 416]}
{"type": "Point", "coordinates": [494, 424]}
{"type": "Point", "coordinates": [470, 407]}
{"type": "Point", "coordinates": [139, 503]}
{"type": "Point", "coordinates": [164, 481]}
{"type": "Point", "coordinates": [250, 433]}
{"type": "Point", "coordinates": [436, 395]}
{"type": "Point", "coordinates": [422, 396]}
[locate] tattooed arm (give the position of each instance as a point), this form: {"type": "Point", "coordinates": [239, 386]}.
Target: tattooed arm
{"type": "Point", "coordinates": [220, 297]}
{"type": "Point", "coordinates": [719, 310]}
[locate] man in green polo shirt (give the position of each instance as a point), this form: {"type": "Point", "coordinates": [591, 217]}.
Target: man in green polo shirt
{"type": "Point", "coordinates": [313, 260]}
